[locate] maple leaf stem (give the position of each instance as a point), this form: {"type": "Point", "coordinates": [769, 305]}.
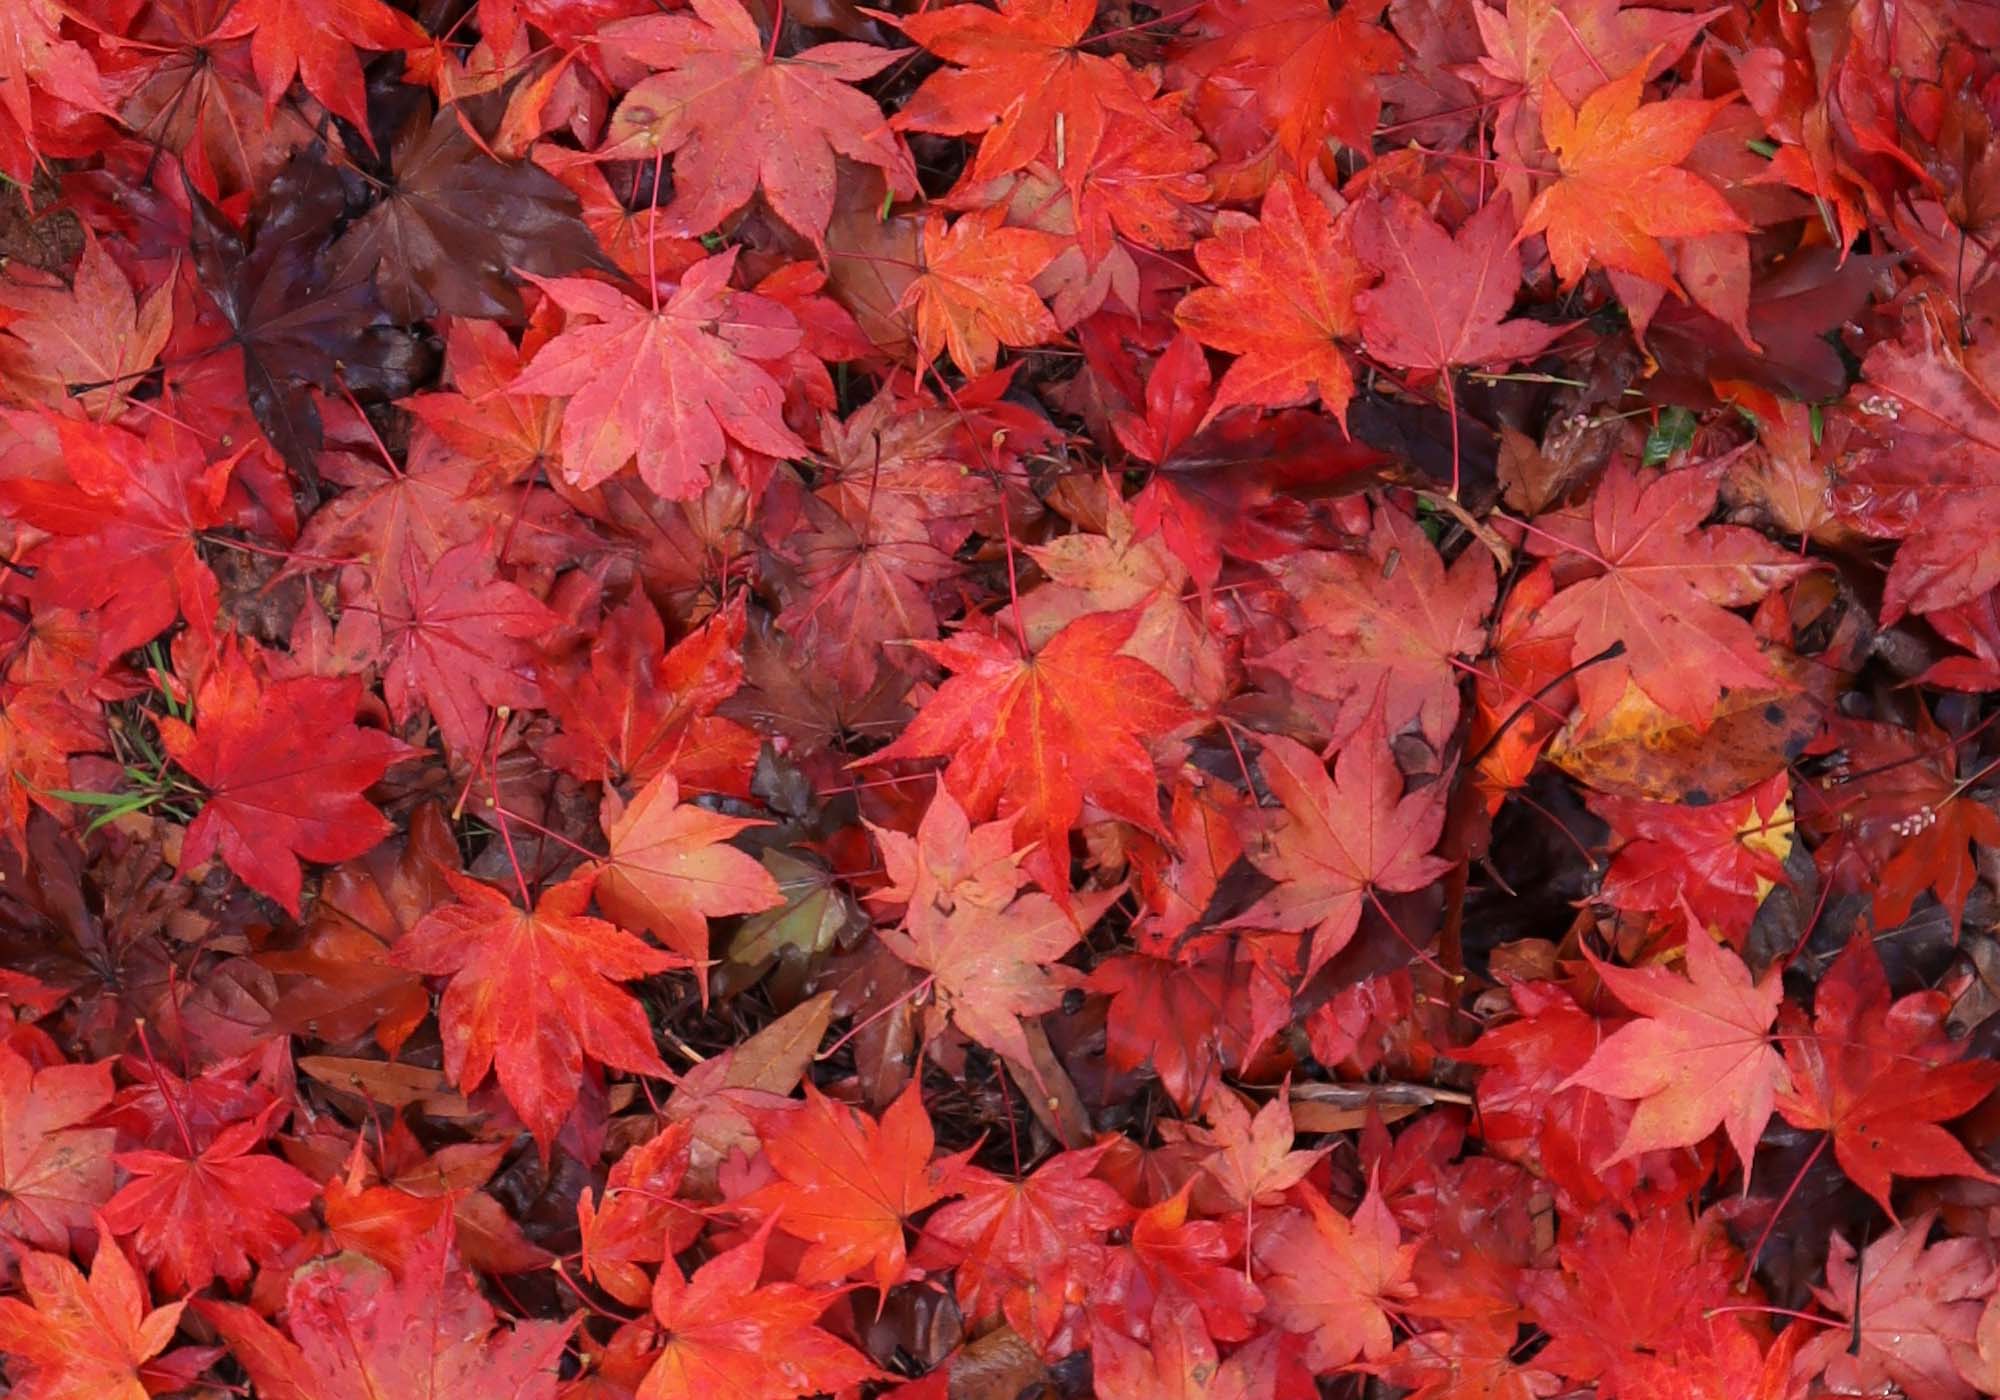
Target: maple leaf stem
{"type": "Point", "coordinates": [1798, 1179]}
{"type": "Point", "coordinates": [507, 840]}
{"type": "Point", "coordinates": [1806, 933]}
{"type": "Point", "coordinates": [1610, 653]}
{"type": "Point", "coordinates": [590, 1304]}
{"type": "Point", "coordinates": [317, 561]}
{"type": "Point", "coordinates": [1588, 52]}
{"type": "Point", "coordinates": [1170, 17]}
{"type": "Point", "coordinates": [540, 830]}
{"type": "Point", "coordinates": [913, 992]}
{"type": "Point", "coordinates": [1451, 408]}
{"type": "Point", "coordinates": [1421, 956]}
{"type": "Point", "coordinates": [1769, 1311]}
{"type": "Point", "coordinates": [1006, 516]}
{"type": "Point", "coordinates": [1921, 755]}
{"type": "Point", "coordinates": [1007, 1108]}
{"type": "Point", "coordinates": [653, 231]}
{"type": "Point", "coordinates": [1570, 546]}
{"type": "Point", "coordinates": [381, 447]}
{"type": "Point", "coordinates": [1389, 128]}
{"type": "Point", "coordinates": [160, 1078]}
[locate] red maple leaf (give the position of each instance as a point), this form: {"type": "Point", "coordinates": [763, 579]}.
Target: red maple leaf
{"type": "Point", "coordinates": [738, 119]}
{"type": "Point", "coordinates": [632, 707]}
{"type": "Point", "coordinates": [672, 384]}
{"type": "Point", "coordinates": [1330, 1276]}
{"type": "Point", "coordinates": [1659, 586]}
{"type": "Point", "coordinates": [77, 1338]}
{"type": "Point", "coordinates": [1444, 296]}
{"type": "Point", "coordinates": [1621, 187]}
{"type": "Point", "coordinates": [1369, 627]}
{"type": "Point", "coordinates": [1699, 1058]}
{"type": "Point", "coordinates": [1020, 80]}
{"type": "Point", "coordinates": [124, 513]}
{"type": "Point", "coordinates": [728, 1333]}
{"type": "Point", "coordinates": [532, 994]}
{"type": "Point", "coordinates": [1033, 737]}
{"type": "Point", "coordinates": [452, 638]}
{"type": "Point", "coordinates": [359, 1331]}
{"type": "Point", "coordinates": [318, 47]}
{"type": "Point", "coordinates": [1282, 300]}
{"type": "Point", "coordinates": [971, 294]}
{"type": "Point", "coordinates": [1341, 837]}
{"type": "Point", "coordinates": [1853, 1078]}
{"type": "Point", "coordinates": [1016, 1244]}
{"type": "Point", "coordinates": [1909, 1313]}
{"type": "Point", "coordinates": [1308, 73]}
{"type": "Point", "coordinates": [671, 869]}
{"type": "Point", "coordinates": [284, 766]}
{"type": "Point", "coordinates": [1930, 482]}
{"type": "Point", "coordinates": [55, 1169]}
{"type": "Point", "coordinates": [1896, 818]}
{"type": "Point", "coordinates": [848, 1184]}
{"type": "Point", "coordinates": [206, 1215]}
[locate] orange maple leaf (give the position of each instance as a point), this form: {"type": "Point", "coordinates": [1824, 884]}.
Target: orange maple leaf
{"type": "Point", "coordinates": [83, 1339]}
{"type": "Point", "coordinates": [1700, 1056]}
{"type": "Point", "coordinates": [972, 296]}
{"type": "Point", "coordinates": [1036, 735]}
{"type": "Point", "coordinates": [671, 870]}
{"type": "Point", "coordinates": [531, 993]}
{"type": "Point", "coordinates": [848, 1184]}
{"type": "Point", "coordinates": [1621, 188]}
{"type": "Point", "coordinates": [1282, 300]}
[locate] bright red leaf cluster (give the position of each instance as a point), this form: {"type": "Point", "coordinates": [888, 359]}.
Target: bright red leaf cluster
{"type": "Point", "coordinates": [1254, 700]}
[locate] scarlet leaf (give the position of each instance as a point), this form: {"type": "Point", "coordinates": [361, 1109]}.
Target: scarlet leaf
{"type": "Point", "coordinates": [1018, 1245]}
{"type": "Point", "coordinates": [1341, 837]}
{"type": "Point", "coordinates": [1282, 299]}
{"type": "Point", "coordinates": [972, 294]}
{"type": "Point", "coordinates": [1931, 478]}
{"type": "Point", "coordinates": [357, 1332]}
{"type": "Point", "coordinates": [1020, 81]}
{"type": "Point", "coordinates": [1621, 187]}
{"type": "Point", "coordinates": [1665, 581]}
{"type": "Point", "coordinates": [1311, 72]}
{"type": "Point", "coordinates": [1035, 736]}
{"type": "Point", "coordinates": [1908, 1310]}
{"type": "Point", "coordinates": [729, 1334]}
{"type": "Point", "coordinates": [54, 1168]}
{"type": "Point", "coordinates": [78, 1338]}
{"type": "Point", "coordinates": [284, 766]}
{"type": "Point", "coordinates": [533, 994]}
{"type": "Point", "coordinates": [196, 1218]}
{"type": "Point", "coordinates": [1330, 1276]}
{"type": "Point", "coordinates": [1699, 1058]}
{"type": "Point", "coordinates": [671, 385]}
{"type": "Point", "coordinates": [363, 909]}
{"type": "Point", "coordinates": [1390, 621]}
{"type": "Point", "coordinates": [81, 348]}
{"type": "Point", "coordinates": [1636, 1309]}
{"type": "Point", "coordinates": [124, 514]}
{"type": "Point", "coordinates": [848, 1184]}
{"type": "Point", "coordinates": [318, 48]}
{"type": "Point", "coordinates": [992, 967]}
{"type": "Point", "coordinates": [1852, 1078]}
{"type": "Point", "coordinates": [671, 870]}
{"type": "Point", "coordinates": [1443, 297]}
{"type": "Point", "coordinates": [738, 119]}
{"type": "Point", "coordinates": [1897, 819]}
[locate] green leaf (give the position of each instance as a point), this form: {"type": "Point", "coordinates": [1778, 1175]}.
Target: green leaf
{"type": "Point", "coordinates": [1673, 433]}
